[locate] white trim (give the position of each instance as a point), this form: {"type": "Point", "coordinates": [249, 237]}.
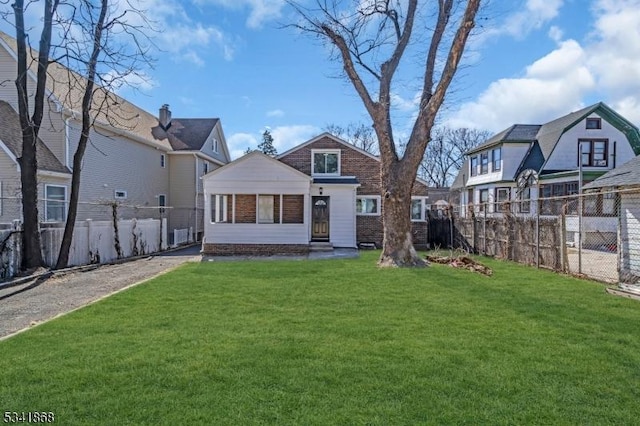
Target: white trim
{"type": "Point", "coordinates": [423, 202]}
{"type": "Point", "coordinates": [378, 199]}
{"type": "Point", "coordinates": [325, 151]}
{"type": "Point", "coordinates": [6, 149]}
{"type": "Point", "coordinates": [54, 174]}
{"type": "Point", "coordinates": [47, 200]}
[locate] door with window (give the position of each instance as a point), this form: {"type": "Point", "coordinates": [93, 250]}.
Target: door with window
{"type": "Point", "coordinates": [320, 219]}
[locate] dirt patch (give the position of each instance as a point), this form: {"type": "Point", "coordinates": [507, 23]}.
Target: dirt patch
{"type": "Point", "coordinates": [463, 262]}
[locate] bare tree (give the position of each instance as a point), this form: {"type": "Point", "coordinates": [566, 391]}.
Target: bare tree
{"type": "Point", "coordinates": [103, 58]}
{"type": "Point", "coordinates": [32, 254]}
{"type": "Point", "coordinates": [445, 153]}
{"type": "Point", "coordinates": [358, 134]}
{"type": "Point", "coordinates": [362, 34]}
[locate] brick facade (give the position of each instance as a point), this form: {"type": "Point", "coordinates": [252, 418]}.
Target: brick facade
{"type": "Point", "coordinates": [367, 170]}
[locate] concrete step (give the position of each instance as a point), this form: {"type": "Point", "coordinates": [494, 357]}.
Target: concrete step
{"type": "Point", "coordinates": [320, 246]}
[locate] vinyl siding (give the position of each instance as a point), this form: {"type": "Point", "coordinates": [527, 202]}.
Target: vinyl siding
{"type": "Point", "coordinates": [10, 179]}
{"type": "Point", "coordinates": [565, 154]}
{"type": "Point", "coordinates": [112, 163]}
{"type": "Point", "coordinates": [342, 213]}
{"type": "Point", "coordinates": [256, 174]}
{"type": "Point", "coordinates": [207, 147]}
{"type": "Point", "coordinates": [512, 156]}
{"type": "Point", "coordinates": [52, 129]}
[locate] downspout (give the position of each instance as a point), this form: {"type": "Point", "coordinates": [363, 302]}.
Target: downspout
{"type": "Point", "coordinates": [195, 225]}
{"type": "Point", "coordinates": [615, 154]}
{"type": "Point", "coordinates": [67, 137]}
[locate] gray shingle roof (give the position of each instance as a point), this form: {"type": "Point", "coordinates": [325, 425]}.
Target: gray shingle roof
{"type": "Point", "coordinates": [625, 175]}
{"type": "Point", "coordinates": [11, 136]}
{"type": "Point", "coordinates": [516, 133]}
{"type": "Point", "coordinates": [186, 134]}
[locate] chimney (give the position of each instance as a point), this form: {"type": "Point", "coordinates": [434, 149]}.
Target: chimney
{"type": "Point", "coordinates": [165, 117]}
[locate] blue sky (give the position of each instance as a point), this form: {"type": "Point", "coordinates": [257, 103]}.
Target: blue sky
{"type": "Point", "coordinates": [531, 61]}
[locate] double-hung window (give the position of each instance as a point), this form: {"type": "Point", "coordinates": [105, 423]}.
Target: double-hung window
{"type": "Point", "coordinates": [496, 158]}
{"type": "Point", "coordinates": [593, 152]}
{"type": "Point", "coordinates": [55, 198]}
{"type": "Point", "coordinates": [418, 207]}
{"type": "Point", "coordinates": [502, 196]}
{"type": "Point", "coordinates": [484, 163]}
{"type": "Point", "coordinates": [474, 166]}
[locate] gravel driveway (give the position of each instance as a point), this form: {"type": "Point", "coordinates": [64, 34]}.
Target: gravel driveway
{"type": "Point", "coordinates": [42, 299]}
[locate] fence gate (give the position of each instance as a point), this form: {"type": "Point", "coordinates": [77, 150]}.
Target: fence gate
{"type": "Point", "coordinates": [439, 232]}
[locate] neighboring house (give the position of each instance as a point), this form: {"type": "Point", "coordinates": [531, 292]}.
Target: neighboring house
{"type": "Point", "coordinates": [198, 146]}
{"type": "Point", "coordinates": [527, 162]}
{"type": "Point", "coordinates": [323, 192]}
{"type": "Point", "coordinates": [52, 174]}
{"type": "Point", "coordinates": [625, 182]}
{"type": "Point", "coordinates": [133, 158]}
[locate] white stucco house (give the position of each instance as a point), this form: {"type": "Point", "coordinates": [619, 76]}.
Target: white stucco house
{"type": "Point", "coordinates": [526, 162]}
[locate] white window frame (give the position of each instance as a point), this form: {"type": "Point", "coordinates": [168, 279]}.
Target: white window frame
{"type": "Point", "coordinates": [163, 161]}
{"type": "Point", "coordinates": [325, 151]}
{"type": "Point", "coordinates": [378, 201]}
{"type": "Point", "coordinates": [214, 145]}
{"type": "Point", "coordinates": [162, 197]}
{"type": "Point", "coordinates": [47, 201]}
{"type": "Point", "coordinates": [218, 215]}
{"type": "Point", "coordinates": [123, 195]}
{"type": "Point", "coordinates": [423, 203]}
{"type": "Point", "coordinates": [495, 162]}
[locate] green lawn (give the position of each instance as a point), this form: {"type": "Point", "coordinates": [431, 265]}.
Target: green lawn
{"type": "Point", "coordinates": [335, 342]}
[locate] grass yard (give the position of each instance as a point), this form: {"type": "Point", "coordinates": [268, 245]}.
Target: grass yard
{"type": "Point", "coordinates": [335, 342]}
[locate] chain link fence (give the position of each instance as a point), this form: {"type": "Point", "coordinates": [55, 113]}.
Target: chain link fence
{"type": "Point", "coordinates": [595, 234]}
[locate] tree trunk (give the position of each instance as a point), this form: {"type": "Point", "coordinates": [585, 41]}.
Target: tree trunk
{"type": "Point", "coordinates": [397, 245]}
{"type": "Point", "coordinates": [32, 252]}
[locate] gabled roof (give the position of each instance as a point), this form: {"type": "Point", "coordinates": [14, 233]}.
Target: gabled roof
{"type": "Point", "coordinates": [186, 134]}
{"type": "Point", "coordinates": [518, 133]}
{"type": "Point", "coordinates": [11, 137]}
{"type": "Point", "coordinates": [260, 156]}
{"type": "Point", "coordinates": [340, 141]}
{"type": "Point", "coordinates": [67, 89]}
{"type": "Point", "coordinates": [627, 174]}
{"type": "Point", "coordinates": [333, 137]}
{"type": "Point", "coordinates": [550, 133]}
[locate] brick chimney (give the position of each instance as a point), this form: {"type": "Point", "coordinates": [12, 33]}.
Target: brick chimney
{"type": "Point", "coordinates": [165, 117]}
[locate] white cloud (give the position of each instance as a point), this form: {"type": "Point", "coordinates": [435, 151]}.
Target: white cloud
{"type": "Point", "coordinates": [604, 67]}
{"type": "Point", "coordinates": [275, 113]}
{"type": "Point", "coordinates": [532, 16]}
{"type": "Point", "coordinates": [286, 137]}
{"type": "Point", "coordinates": [553, 85]}
{"type": "Point", "coordinates": [260, 11]}
{"type": "Point", "coordinates": [178, 33]}
{"type": "Point", "coordinates": [239, 142]}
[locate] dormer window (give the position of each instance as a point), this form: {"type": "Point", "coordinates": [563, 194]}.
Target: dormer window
{"type": "Point", "coordinates": [594, 123]}
{"type": "Point", "coordinates": [325, 162]}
